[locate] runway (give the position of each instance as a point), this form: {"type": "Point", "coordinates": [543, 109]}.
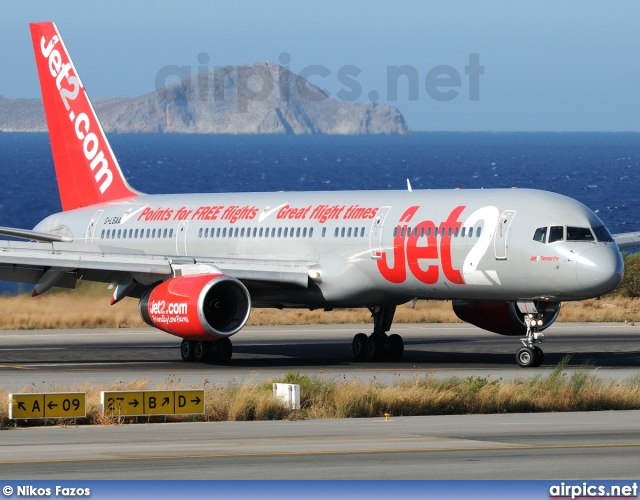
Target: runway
{"type": "Point", "coordinates": [522, 446]}
{"type": "Point", "coordinates": [42, 358]}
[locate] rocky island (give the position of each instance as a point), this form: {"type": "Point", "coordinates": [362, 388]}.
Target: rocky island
{"type": "Point", "coordinates": [262, 98]}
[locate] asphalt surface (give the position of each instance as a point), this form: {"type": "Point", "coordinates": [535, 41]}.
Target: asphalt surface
{"type": "Point", "coordinates": [602, 445]}
{"type": "Point", "coordinates": [39, 359]}
{"type": "Point", "coordinates": [524, 446]}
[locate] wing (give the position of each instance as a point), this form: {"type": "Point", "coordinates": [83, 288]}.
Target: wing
{"type": "Point", "coordinates": [627, 241]}
{"type": "Point", "coordinates": [59, 263]}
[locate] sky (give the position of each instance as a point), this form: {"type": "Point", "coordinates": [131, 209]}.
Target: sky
{"type": "Point", "coordinates": [466, 65]}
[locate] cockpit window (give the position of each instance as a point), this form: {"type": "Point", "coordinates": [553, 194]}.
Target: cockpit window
{"type": "Point", "coordinates": [579, 234]}
{"type": "Point", "coordinates": [540, 235]}
{"type": "Point", "coordinates": [602, 233]}
{"type": "Point", "coordinates": [556, 233]}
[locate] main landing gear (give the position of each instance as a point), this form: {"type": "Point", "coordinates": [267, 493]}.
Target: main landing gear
{"type": "Point", "coordinates": [378, 346]}
{"type": "Point", "coordinates": [531, 355]}
{"type": "Point", "coordinates": [218, 351]}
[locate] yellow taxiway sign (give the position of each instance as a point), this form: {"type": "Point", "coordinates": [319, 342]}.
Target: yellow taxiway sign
{"type": "Point", "coordinates": [48, 405]}
{"type": "Point", "coordinates": [137, 403]}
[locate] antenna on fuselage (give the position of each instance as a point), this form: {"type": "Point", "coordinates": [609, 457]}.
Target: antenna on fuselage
{"type": "Point", "coordinates": [409, 186]}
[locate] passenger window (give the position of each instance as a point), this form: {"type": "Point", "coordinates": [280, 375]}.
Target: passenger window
{"type": "Point", "coordinates": [298, 233]}
{"type": "Point", "coordinates": [556, 233]}
{"type": "Point", "coordinates": [102, 234]}
{"type": "Point", "coordinates": [478, 232]}
{"type": "Point", "coordinates": [348, 233]}
{"type": "Point", "coordinates": [579, 234]}
{"type": "Point", "coordinates": [463, 232]}
{"type": "Point", "coordinates": [311, 232]}
{"type": "Point", "coordinates": [540, 235]}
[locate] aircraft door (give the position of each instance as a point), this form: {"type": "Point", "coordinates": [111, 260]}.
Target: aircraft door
{"type": "Point", "coordinates": [91, 228]}
{"type": "Point", "coordinates": [376, 232]}
{"type": "Point", "coordinates": [501, 236]}
{"type": "Point", "coordinates": [181, 238]}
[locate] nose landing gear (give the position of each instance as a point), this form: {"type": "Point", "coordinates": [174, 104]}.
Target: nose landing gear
{"type": "Point", "coordinates": [531, 356]}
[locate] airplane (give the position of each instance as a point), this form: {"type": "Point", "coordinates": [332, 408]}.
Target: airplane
{"type": "Point", "coordinates": [198, 263]}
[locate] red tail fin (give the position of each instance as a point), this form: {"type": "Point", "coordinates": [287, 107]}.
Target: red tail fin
{"type": "Point", "coordinates": [86, 168]}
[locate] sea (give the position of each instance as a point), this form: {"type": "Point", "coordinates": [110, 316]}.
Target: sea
{"type": "Point", "coordinates": [602, 170]}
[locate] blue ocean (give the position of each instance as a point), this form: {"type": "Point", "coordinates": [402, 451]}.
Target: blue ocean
{"type": "Point", "coordinates": [602, 170]}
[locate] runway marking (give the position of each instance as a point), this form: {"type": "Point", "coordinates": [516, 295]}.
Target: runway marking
{"type": "Point", "coordinates": [16, 367]}
{"type": "Point", "coordinates": [324, 453]}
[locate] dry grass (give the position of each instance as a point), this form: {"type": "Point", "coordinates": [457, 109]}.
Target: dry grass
{"type": "Point", "coordinates": [89, 307]}
{"type": "Point", "coordinates": [426, 395]}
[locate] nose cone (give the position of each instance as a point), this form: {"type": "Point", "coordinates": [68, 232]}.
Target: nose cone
{"type": "Point", "coordinates": [599, 269]}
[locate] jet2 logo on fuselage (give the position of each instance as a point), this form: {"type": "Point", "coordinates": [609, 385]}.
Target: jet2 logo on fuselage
{"type": "Point", "coordinates": [424, 241]}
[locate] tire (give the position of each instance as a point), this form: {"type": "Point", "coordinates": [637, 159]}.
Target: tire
{"type": "Point", "coordinates": [525, 357]}
{"type": "Point", "coordinates": [224, 350]}
{"type": "Point", "coordinates": [202, 352]}
{"type": "Point", "coordinates": [374, 348]}
{"type": "Point", "coordinates": [186, 350]}
{"type": "Point", "coordinates": [539, 357]}
{"type": "Point", "coordinates": [396, 347]}
{"type": "Point", "coordinates": [359, 346]}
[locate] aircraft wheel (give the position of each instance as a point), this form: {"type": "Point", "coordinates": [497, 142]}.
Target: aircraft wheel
{"type": "Point", "coordinates": [224, 350]}
{"type": "Point", "coordinates": [539, 356]}
{"type": "Point", "coordinates": [374, 347]}
{"type": "Point", "coordinates": [396, 347]}
{"type": "Point", "coordinates": [201, 351]}
{"type": "Point", "coordinates": [359, 346]}
{"type": "Point", "coordinates": [526, 357]}
{"type": "Point", "coordinates": [186, 350]}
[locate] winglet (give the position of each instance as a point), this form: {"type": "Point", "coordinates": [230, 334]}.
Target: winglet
{"type": "Point", "coordinates": [86, 168]}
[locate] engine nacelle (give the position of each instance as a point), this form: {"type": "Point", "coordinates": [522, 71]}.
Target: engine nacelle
{"type": "Point", "coordinates": [504, 318]}
{"type": "Point", "coordinates": [197, 307]}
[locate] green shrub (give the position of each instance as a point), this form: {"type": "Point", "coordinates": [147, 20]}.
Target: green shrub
{"type": "Point", "coordinates": [630, 286]}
